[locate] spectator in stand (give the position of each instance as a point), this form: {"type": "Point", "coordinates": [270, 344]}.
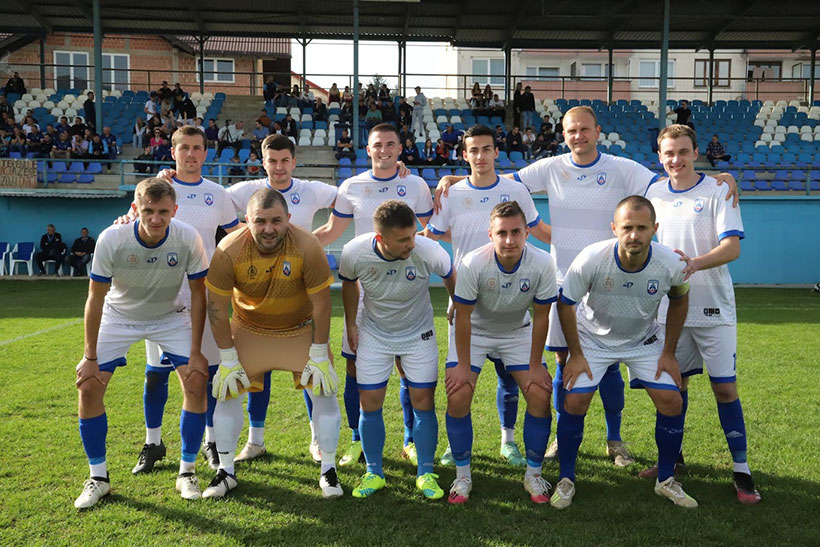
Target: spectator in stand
{"type": "Point", "coordinates": [264, 119]}
{"type": "Point", "coordinates": [18, 142]}
{"type": "Point", "coordinates": [89, 111]}
{"type": "Point", "coordinates": [269, 89]}
{"type": "Point", "coordinates": [178, 90]}
{"type": "Point", "coordinates": [153, 124]}
{"type": "Point", "coordinates": [306, 98]}
{"type": "Point", "coordinates": [527, 107]}
{"type": "Point", "coordinates": [550, 142]}
{"type": "Point", "coordinates": [46, 146]}
{"type": "Point", "coordinates": [15, 84]}
{"type": "Point", "coordinates": [253, 166]}
{"type": "Point", "coordinates": [79, 147]}
{"type": "Point", "coordinates": [405, 112]}
{"type": "Point", "coordinates": [515, 142]}
{"type": "Point", "coordinates": [97, 148]}
{"type": "Point", "coordinates": [384, 95]}
{"type": "Point", "coordinates": [5, 107]}
{"type": "Point", "coordinates": [374, 116]}
{"type": "Point", "coordinates": [260, 131]}
{"type": "Point", "coordinates": [419, 102]}
{"type": "Point", "coordinates": [319, 110]}
{"type": "Point", "coordinates": [344, 147]}
{"type": "Point", "coordinates": [347, 95]}
{"type": "Point", "coordinates": [163, 151]}
{"type": "Point", "coordinates": [371, 92]}
{"type": "Point", "coordinates": [81, 252]}
{"type": "Point", "coordinates": [518, 95]}
{"type": "Point", "coordinates": [156, 139]}
{"type": "Point", "coordinates": [63, 125]}
{"type": "Point", "coordinates": [198, 123]}
{"type": "Point", "coordinates": [409, 154]}
{"type": "Point", "coordinates": [51, 132]}
{"type": "Point", "coordinates": [488, 95]}
{"type": "Point", "coordinates": [539, 148]}
{"type": "Point", "coordinates": [289, 126]}
{"type": "Point", "coordinates": [61, 150]}
{"type": "Point", "coordinates": [29, 124]}
{"type": "Point", "coordinates": [147, 155]}
{"type": "Point", "coordinates": [346, 115]}
{"type": "Point", "coordinates": [528, 139]}
{"type": "Point", "coordinates": [231, 135]}
{"type": "Point", "coordinates": [450, 136]}
{"type": "Point", "coordinates": [334, 95]}
{"type": "Point", "coordinates": [405, 133]}
{"type": "Point", "coordinates": [184, 108]}
{"type": "Point", "coordinates": [151, 106]}
{"type": "Point", "coordinates": [212, 132]}
{"type": "Point", "coordinates": [684, 115]}
{"type": "Point", "coordinates": [500, 138]}
{"type": "Point", "coordinates": [495, 107]}
{"type": "Point", "coordinates": [110, 140]}
{"type": "Point", "coordinates": [428, 154]}
{"type": "Point", "coordinates": [5, 142]}
{"type": "Point", "coordinates": [165, 93]}
{"type": "Point", "coordinates": [51, 248]}
{"type": "Point", "coordinates": [6, 121]}
{"type": "Point", "coordinates": [715, 151]}
{"type": "Point", "coordinates": [388, 110]}
{"type": "Point", "coordinates": [442, 152]}
{"type": "Point", "coordinates": [276, 128]}
{"type": "Point", "coordinates": [33, 138]}
{"type": "Point", "coordinates": [79, 128]}
{"type": "Point", "coordinates": [236, 169]}
{"type": "Point", "coordinates": [477, 98]}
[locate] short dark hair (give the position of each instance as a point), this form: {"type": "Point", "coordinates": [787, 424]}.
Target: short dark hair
{"type": "Point", "coordinates": [154, 189]}
{"type": "Point", "coordinates": [384, 128]}
{"type": "Point", "coordinates": [188, 131]}
{"type": "Point", "coordinates": [637, 202]}
{"type": "Point", "coordinates": [507, 209]}
{"type": "Point", "coordinates": [265, 198]}
{"type": "Point", "coordinates": [479, 130]}
{"type": "Point", "coordinates": [393, 214]}
{"type": "Point", "coordinates": [278, 142]}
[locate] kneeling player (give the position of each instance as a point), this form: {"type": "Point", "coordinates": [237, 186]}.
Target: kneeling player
{"type": "Point", "coordinates": [393, 267]}
{"type": "Point", "coordinates": [619, 284]}
{"type": "Point", "coordinates": [276, 278]}
{"type": "Point", "coordinates": [496, 285]}
{"type": "Point", "coordinates": [144, 264]}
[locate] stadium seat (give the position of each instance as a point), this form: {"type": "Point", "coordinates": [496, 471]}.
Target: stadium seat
{"type": "Point", "coordinates": [85, 178]}
{"type": "Point", "coordinates": [22, 253]}
{"type": "Point", "coordinates": [4, 251]}
{"type": "Point", "coordinates": [331, 261]}
{"type": "Point", "coordinates": [66, 178]}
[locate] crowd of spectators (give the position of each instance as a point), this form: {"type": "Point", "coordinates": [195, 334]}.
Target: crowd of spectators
{"type": "Point", "coordinates": [54, 249]}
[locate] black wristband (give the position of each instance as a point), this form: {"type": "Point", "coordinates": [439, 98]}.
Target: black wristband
{"type": "Point", "coordinates": [89, 358]}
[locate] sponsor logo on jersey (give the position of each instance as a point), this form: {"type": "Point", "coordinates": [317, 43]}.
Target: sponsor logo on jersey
{"type": "Point", "coordinates": [505, 198]}
{"type": "Point", "coordinates": [711, 312]}
{"type": "Point", "coordinates": [628, 284]}
{"type": "Point", "coordinates": [286, 267]}
{"type": "Point", "coordinates": [581, 177]}
{"type": "Point", "coordinates": [678, 203]}
{"type": "Point", "coordinates": [699, 205]}
{"type": "Point", "coordinates": [410, 273]}
{"type": "Point", "coordinates": [383, 189]}
{"type": "Point", "coordinates": [652, 286]}
{"type": "Point", "coordinates": [484, 200]}
{"type": "Point", "coordinates": [372, 271]}
{"type": "Point", "coordinates": [191, 196]}
{"type": "Point", "coordinates": [391, 272]}
{"type": "Point", "coordinates": [401, 190]}
{"type": "Point", "coordinates": [295, 198]}
{"type": "Point", "coordinates": [173, 259]}
{"type": "Point", "coordinates": [506, 285]}
{"type": "Point", "coordinates": [608, 284]}
{"type": "Point", "coordinates": [651, 340]}
{"type": "Point", "coordinates": [524, 284]}
{"type": "Point", "coordinates": [427, 335]}
{"type": "Point", "coordinates": [151, 260]}
{"type": "Point", "coordinates": [252, 271]}
{"type": "Point", "coordinates": [209, 199]}
{"type": "Point", "coordinates": [601, 178]}
{"type": "Point", "coordinates": [565, 175]}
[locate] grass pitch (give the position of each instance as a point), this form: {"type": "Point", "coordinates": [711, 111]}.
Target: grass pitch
{"type": "Point", "coordinates": [42, 463]}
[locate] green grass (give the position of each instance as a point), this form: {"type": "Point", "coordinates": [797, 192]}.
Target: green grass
{"type": "Point", "coordinates": [42, 464]}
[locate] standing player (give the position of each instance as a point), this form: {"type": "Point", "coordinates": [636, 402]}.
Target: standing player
{"type": "Point", "coordinates": [465, 213]}
{"type": "Point", "coordinates": [304, 198]}
{"type": "Point", "coordinates": [618, 285]}
{"type": "Point", "coordinates": [143, 266]}
{"type": "Point", "coordinates": [695, 219]}
{"type": "Point", "coordinates": [497, 283]}
{"type": "Point", "coordinates": [204, 205]}
{"type": "Point", "coordinates": [277, 280]}
{"type": "Point", "coordinates": [356, 201]}
{"type": "Point", "coordinates": [394, 267]}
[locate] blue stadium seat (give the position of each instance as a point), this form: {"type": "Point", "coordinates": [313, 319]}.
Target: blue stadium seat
{"type": "Point", "coordinates": [94, 168]}
{"type": "Point", "coordinates": [746, 186]}
{"type": "Point", "coordinates": [514, 156]}
{"type": "Point", "coordinates": [762, 185]}
{"type": "Point", "coordinates": [66, 178]}
{"type": "Point", "coordinates": [331, 261]}
{"type": "Point", "coordinates": [85, 178]}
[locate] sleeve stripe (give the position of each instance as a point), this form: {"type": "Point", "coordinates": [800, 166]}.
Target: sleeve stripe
{"type": "Point", "coordinates": [565, 300]}
{"type": "Point", "coordinates": [546, 301]}
{"type": "Point", "coordinates": [199, 275]}
{"type": "Point", "coordinates": [516, 177]}
{"type": "Point", "coordinates": [448, 273]}
{"type": "Point", "coordinates": [427, 214]}
{"type": "Point", "coordinates": [319, 288]}
{"type": "Point", "coordinates": [341, 215]}
{"type": "Point", "coordinates": [216, 290]}
{"type": "Point", "coordinates": [99, 278]}
{"type": "Point", "coordinates": [731, 233]}
{"type": "Point", "coordinates": [343, 278]}
{"type": "Point", "coordinates": [230, 224]}
{"type": "Point", "coordinates": [435, 230]}
{"type": "Point", "coordinates": [457, 298]}
{"type": "Point", "coordinates": [535, 222]}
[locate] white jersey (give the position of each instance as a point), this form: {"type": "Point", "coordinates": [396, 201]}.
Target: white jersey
{"type": "Point", "coordinates": [304, 198]}
{"type": "Point", "coordinates": [359, 197]}
{"type": "Point", "coordinates": [695, 221]}
{"type": "Point", "coordinates": [466, 212]}
{"type": "Point", "coordinates": [396, 294]}
{"type": "Point", "coordinates": [205, 205]}
{"type": "Point", "coordinates": [502, 298]}
{"type": "Point", "coordinates": [582, 198]}
{"type": "Point", "coordinates": [616, 309]}
{"type": "Point", "coordinates": [145, 281]}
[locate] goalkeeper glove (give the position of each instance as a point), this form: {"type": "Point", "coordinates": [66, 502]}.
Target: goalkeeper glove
{"type": "Point", "coordinates": [319, 370]}
{"type": "Point", "coordinates": [229, 374]}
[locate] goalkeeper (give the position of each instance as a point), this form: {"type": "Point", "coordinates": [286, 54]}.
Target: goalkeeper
{"type": "Point", "coordinates": [276, 278]}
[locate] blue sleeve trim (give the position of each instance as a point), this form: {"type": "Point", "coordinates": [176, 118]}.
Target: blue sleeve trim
{"type": "Point", "coordinates": [516, 177]}
{"type": "Point", "coordinates": [731, 233]}
{"type": "Point", "coordinates": [535, 222]}
{"type": "Point", "coordinates": [435, 230]}
{"type": "Point", "coordinates": [427, 214]}
{"type": "Point", "coordinates": [341, 215]}
{"type": "Point", "coordinates": [457, 298]}
{"type": "Point", "coordinates": [343, 278]}
{"type": "Point", "coordinates": [348, 355]}
{"type": "Point", "coordinates": [230, 224]}
{"type": "Point", "coordinates": [99, 278]}
{"type": "Point", "coordinates": [546, 301]}
{"type": "Point", "coordinates": [199, 275]}
{"type": "Point", "coordinates": [564, 299]}
{"type": "Point", "coordinates": [448, 273]}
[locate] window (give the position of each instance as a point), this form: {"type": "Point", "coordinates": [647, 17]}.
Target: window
{"type": "Point", "coordinates": [720, 78]}
{"type": "Point", "coordinates": [115, 71]}
{"type": "Point", "coordinates": [543, 73]}
{"type": "Point", "coordinates": [217, 70]}
{"type": "Point", "coordinates": [489, 67]}
{"type": "Point", "coordinates": [599, 71]}
{"type": "Point", "coordinates": [803, 70]}
{"type": "Point", "coordinates": [649, 73]}
{"type": "Point", "coordinates": [768, 70]}
{"type": "Point", "coordinates": [71, 70]}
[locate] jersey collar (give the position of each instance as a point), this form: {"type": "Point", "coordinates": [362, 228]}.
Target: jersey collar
{"type": "Point", "coordinates": [374, 177]}
{"type": "Point", "coordinates": [493, 185]}
{"type": "Point", "coordinates": [515, 268]}
{"type": "Point", "coordinates": [671, 189]}
{"type": "Point", "coordinates": [267, 183]}
{"type": "Point", "coordinates": [177, 181]}
{"type": "Point", "coordinates": [597, 158]}
{"type": "Point", "coordinates": [137, 236]}
{"type": "Point", "coordinates": [645, 264]}
{"type": "Point", "coordinates": [379, 254]}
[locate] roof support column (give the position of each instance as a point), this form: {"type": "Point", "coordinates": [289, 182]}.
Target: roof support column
{"type": "Point", "coordinates": [507, 72]}
{"type": "Point", "coordinates": [201, 41]}
{"type": "Point", "coordinates": [43, 61]}
{"type": "Point", "coordinates": [664, 68]}
{"type": "Point", "coordinates": [811, 75]}
{"type": "Point", "coordinates": [609, 78]}
{"type": "Point", "coordinates": [98, 37]}
{"type": "Point", "coordinates": [355, 122]}
{"type": "Point", "coordinates": [304, 43]}
{"type": "Point", "coordinates": [399, 83]}
{"type": "Point", "coordinates": [710, 76]}
{"type": "Point", "coordinates": [404, 66]}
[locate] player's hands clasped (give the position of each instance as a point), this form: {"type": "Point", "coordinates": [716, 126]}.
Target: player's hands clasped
{"type": "Point", "coordinates": [576, 365]}
{"type": "Point", "coordinates": [456, 377]}
{"type": "Point", "coordinates": [229, 376]}
{"type": "Point", "coordinates": [320, 371]}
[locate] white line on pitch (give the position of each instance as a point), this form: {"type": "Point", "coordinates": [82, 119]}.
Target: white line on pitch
{"type": "Point", "coordinates": [39, 332]}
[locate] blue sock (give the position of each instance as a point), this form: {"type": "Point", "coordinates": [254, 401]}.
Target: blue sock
{"type": "Point", "coordinates": [426, 429]}
{"type": "Point", "coordinates": [155, 395]}
{"type": "Point", "coordinates": [93, 432]}
{"type": "Point", "coordinates": [351, 400]}
{"type": "Point", "coordinates": [536, 438]}
{"type": "Point", "coordinates": [209, 414]}
{"type": "Point", "coordinates": [258, 404]}
{"type": "Point", "coordinates": [371, 425]}
{"type": "Point", "coordinates": [407, 412]}
{"type": "Point", "coordinates": [460, 435]}
{"type": "Point", "coordinates": [570, 434]}
{"type": "Point", "coordinates": [558, 391]}
{"type": "Point", "coordinates": [506, 397]}
{"type": "Point", "coordinates": [308, 404]}
{"type": "Point", "coordinates": [668, 437]}
{"type": "Point", "coordinates": [734, 427]}
{"type": "Point", "coordinates": [611, 390]}
{"type": "Point", "coordinates": [191, 431]}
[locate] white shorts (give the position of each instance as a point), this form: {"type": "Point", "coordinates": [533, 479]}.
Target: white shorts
{"type": "Point", "coordinates": [156, 360]}
{"type": "Point", "coordinates": [376, 355]}
{"type": "Point", "coordinates": [115, 338]}
{"type": "Point", "coordinates": [716, 346]}
{"type": "Point", "coordinates": [642, 370]}
{"type": "Point", "coordinates": [512, 352]}
{"type": "Point", "coordinates": [555, 334]}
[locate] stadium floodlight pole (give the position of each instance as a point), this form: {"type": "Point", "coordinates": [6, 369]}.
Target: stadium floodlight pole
{"type": "Point", "coordinates": [98, 37]}
{"type": "Point", "coordinates": [355, 121]}
{"type": "Point", "coordinates": [811, 75]}
{"type": "Point", "coordinates": [710, 76]}
{"type": "Point", "coordinates": [43, 61]}
{"type": "Point", "coordinates": [664, 68]}
{"type": "Point", "coordinates": [201, 41]}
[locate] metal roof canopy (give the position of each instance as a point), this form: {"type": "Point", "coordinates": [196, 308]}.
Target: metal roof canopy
{"type": "Point", "coordinates": [554, 24]}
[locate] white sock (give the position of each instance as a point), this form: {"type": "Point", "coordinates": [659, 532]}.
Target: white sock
{"type": "Point", "coordinates": [531, 470]}
{"type": "Point", "coordinates": [507, 435]}
{"type": "Point", "coordinates": [209, 434]}
{"type": "Point", "coordinates": [228, 421]}
{"type": "Point", "coordinates": [313, 438]}
{"type": "Point", "coordinates": [463, 471]}
{"type": "Point", "coordinates": [153, 435]}
{"type": "Point", "coordinates": [742, 467]}
{"type": "Point", "coordinates": [186, 467]}
{"type": "Point", "coordinates": [327, 419]}
{"type": "Point", "coordinates": [256, 435]}
{"type": "Point", "coordinates": [98, 469]}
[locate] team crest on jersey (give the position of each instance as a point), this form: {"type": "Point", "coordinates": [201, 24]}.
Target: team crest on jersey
{"type": "Point", "coordinates": [608, 284]}
{"type": "Point", "coordinates": [505, 198]}
{"type": "Point", "coordinates": [524, 284]}
{"type": "Point", "coordinates": [565, 175]}
{"type": "Point", "coordinates": [492, 283]}
{"type": "Point", "coordinates": [372, 271]}
{"type": "Point", "coordinates": [286, 267]}
{"type": "Point", "coordinates": [173, 259]}
{"type": "Point", "coordinates": [295, 198]}
{"type": "Point", "coordinates": [133, 260]}
{"type": "Point", "coordinates": [652, 286]}
{"type": "Point", "coordinates": [601, 178]}
{"type": "Point", "coordinates": [699, 205]}
{"type": "Point", "coordinates": [468, 202]}
{"type": "Point", "coordinates": [401, 190]}
{"type": "Point", "coordinates": [252, 271]}
{"type": "Point", "coordinates": [209, 199]}
{"type": "Point", "coordinates": [410, 273]}
{"type": "Point", "coordinates": [367, 190]}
